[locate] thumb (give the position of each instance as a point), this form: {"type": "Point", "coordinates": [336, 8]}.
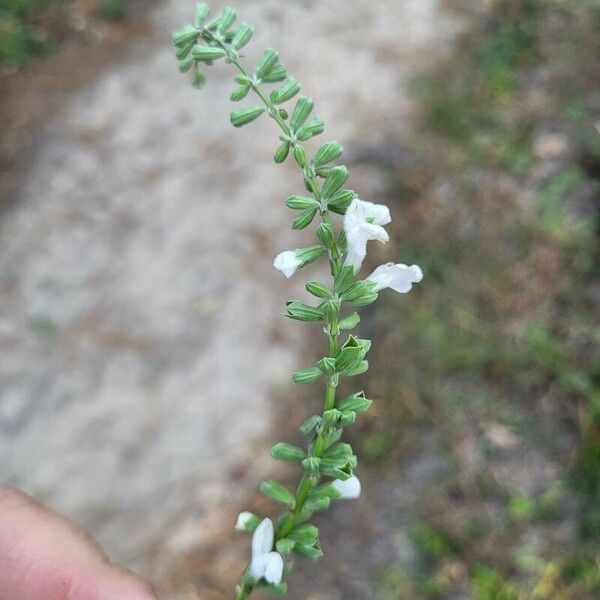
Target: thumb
{"type": "Point", "coordinates": [45, 557]}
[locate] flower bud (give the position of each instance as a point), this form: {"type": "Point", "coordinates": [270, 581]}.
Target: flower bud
{"type": "Point", "coordinates": [327, 153]}
{"type": "Point", "coordinates": [285, 451]}
{"type": "Point", "coordinates": [242, 36]}
{"type": "Point", "coordinates": [325, 234]}
{"type": "Point", "coordinates": [318, 289]}
{"type": "Point", "coordinates": [300, 155]}
{"type": "Point", "coordinates": [247, 521]}
{"type": "Point", "coordinates": [274, 490]}
{"type": "Point", "coordinates": [307, 375]}
{"type": "Point", "coordinates": [267, 61]}
{"type": "Point", "coordinates": [201, 13]}
{"type": "Point", "coordinates": [207, 53]}
{"type": "Point", "coordinates": [286, 92]}
{"type": "Point", "coordinates": [335, 180]}
{"type": "Point", "coordinates": [282, 152]}
{"type": "Point", "coordinates": [302, 110]}
{"type": "Point", "coordinates": [243, 116]}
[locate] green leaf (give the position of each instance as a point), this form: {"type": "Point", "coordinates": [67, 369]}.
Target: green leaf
{"type": "Point", "coordinates": [240, 93]}
{"type": "Point", "coordinates": [242, 36]}
{"type": "Point", "coordinates": [286, 92]}
{"type": "Point", "coordinates": [307, 375]}
{"type": "Point", "coordinates": [282, 152]}
{"type": "Point", "coordinates": [207, 53]}
{"type": "Point", "coordinates": [320, 290]}
{"type": "Point", "coordinates": [335, 180]}
{"type": "Point", "coordinates": [350, 321]}
{"type": "Point", "coordinates": [274, 490]}
{"type": "Point", "coordinates": [327, 153]}
{"type": "Point", "coordinates": [303, 312]}
{"type": "Point", "coordinates": [301, 202]}
{"type": "Point", "coordinates": [314, 127]}
{"type": "Point", "coordinates": [285, 451]}
{"type": "Point", "coordinates": [267, 61]}
{"type": "Point", "coordinates": [305, 219]}
{"type": "Point", "coordinates": [243, 116]}
{"type": "Point", "coordinates": [302, 110]}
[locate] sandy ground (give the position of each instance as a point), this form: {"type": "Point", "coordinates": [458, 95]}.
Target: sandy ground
{"type": "Point", "coordinates": [141, 337]}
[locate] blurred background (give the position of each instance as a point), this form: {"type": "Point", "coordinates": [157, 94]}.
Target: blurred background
{"type": "Point", "coordinates": [144, 359]}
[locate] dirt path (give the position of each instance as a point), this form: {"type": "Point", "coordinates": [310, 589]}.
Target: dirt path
{"type": "Point", "coordinates": [140, 347]}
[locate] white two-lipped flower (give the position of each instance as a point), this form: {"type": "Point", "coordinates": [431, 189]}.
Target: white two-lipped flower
{"type": "Point", "coordinates": [363, 222]}
{"type": "Point", "coordinates": [397, 277]}
{"type": "Point", "coordinates": [348, 488]}
{"type": "Point", "coordinates": [287, 262]}
{"type": "Point", "coordinates": [264, 562]}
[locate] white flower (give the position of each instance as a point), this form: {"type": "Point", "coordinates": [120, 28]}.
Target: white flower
{"type": "Point", "coordinates": [264, 562]}
{"type": "Point", "coordinates": [243, 520]}
{"type": "Point", "coordinates": [397, 277]}
{"type": "Point", "coordinates": [287, 262]}
{"type": "Point", "coordinates": [348, 488]}
{"type": "Point", "coordinates": [363, 222]}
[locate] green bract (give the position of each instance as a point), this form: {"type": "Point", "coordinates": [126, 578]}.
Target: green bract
{"type": "Point", "coordinates": [325, 456]}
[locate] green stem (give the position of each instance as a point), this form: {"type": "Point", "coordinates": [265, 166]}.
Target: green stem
{"type": "Point", "coordinates": [307, 482]}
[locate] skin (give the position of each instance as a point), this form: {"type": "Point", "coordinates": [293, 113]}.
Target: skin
{"type": "Point", "coordinates": [45, 557]}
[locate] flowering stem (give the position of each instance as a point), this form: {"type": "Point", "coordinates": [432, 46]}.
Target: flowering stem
{"type": "Point", "coordinates": [307, 482]}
